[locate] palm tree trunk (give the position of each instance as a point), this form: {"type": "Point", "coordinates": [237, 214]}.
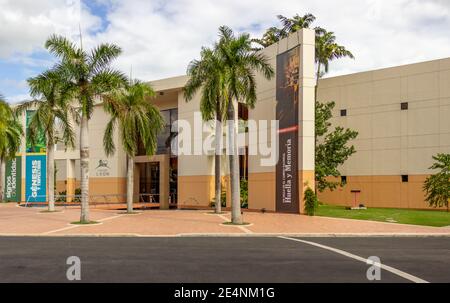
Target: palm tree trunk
{"type": "Point", "coordinates": [51, 177]}
{"type": "Point", "coordinates": [315, 102]}
{"type": "Point", "coordinates": [317, 81]}
{"type": "Point", "coordinates": [217, 180]}
{"type": "Point", "coordinates": [130, 184]}
{"type": "Point", "coordinates": [84, 165]}
{"type": "Point", "coordinates": [2, 175]}
{"type": "Point", "coordinates": [236, 216]}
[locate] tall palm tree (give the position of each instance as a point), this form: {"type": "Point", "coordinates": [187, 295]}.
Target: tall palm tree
{"type": "Point", "coordinates": [54, 115]}
{"type": "Point", "coordinates": [290, 25]}
{"type": "Point", "coordinates": [207, 74]}
{"type": "Point", "coordinates": [239, 62]}
{"type": "Point", "coordinates": [137, 121]}
{"type": "Point", "coordinates": [91, 75]}
{"type": "Point", "coordinates": [10, 137]}
{"type": "Point", "coordinates": [327, 50]}
{"type": "Point", "coordinates": [296, 23]}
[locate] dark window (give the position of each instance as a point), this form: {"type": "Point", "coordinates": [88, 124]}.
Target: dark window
{"type": "Point", "coordinates": [243, 165]}
{"type": "Point", "coordinates": [405, 178]}
{"type": "Point", "coordinates": [344, 179]}
{"type": "Point", "coordinates": [242, 112]}
{"type": "Point", "coordinates": [404, 106]}
{"type": "Point", "coordinates": [166, 135]}
{"type": "Point", "coordinates": [343, 112]}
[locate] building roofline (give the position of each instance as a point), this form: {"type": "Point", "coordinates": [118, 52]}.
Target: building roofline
{"type": "Point", "coordinates": [387, 68]}
{"type": "Point", "coordinates": [171, 83]}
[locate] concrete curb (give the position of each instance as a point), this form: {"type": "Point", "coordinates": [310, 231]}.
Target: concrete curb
{"type": "Point", "coordinates": [234, 235]}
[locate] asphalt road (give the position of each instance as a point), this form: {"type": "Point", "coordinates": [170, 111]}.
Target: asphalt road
{"type": "Point", "coordinates": [220, 259]}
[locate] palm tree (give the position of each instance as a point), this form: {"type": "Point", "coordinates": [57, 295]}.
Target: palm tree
{"type": "Point", "coordinates": [10, 137]}
{"type": "Point", "coordinates": [327, 50]}
{"type": "Point", "coordinates": [290, 25]}
{"type": "Point", "coordinates": [207, 74]}
{"type": "Point", "coordinates": [271, 36]}
{"type": "Point", "coordinates": [54, 115]}
{"type": "Point", "coordinates": [91, 75]}
{"type": "Point", "coordinates": [137, 120]}
{"type": "Point", "coordinates": [239, 62]}
{"type": "Point", "coordinates": [296, 23]}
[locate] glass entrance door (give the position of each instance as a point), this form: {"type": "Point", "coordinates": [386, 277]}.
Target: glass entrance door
{"type": "Point", "coordinates": [149, 182]}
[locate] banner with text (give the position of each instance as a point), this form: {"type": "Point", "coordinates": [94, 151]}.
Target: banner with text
{"type": "Point", "coordinates": [13, 180]}
{"type": "Point", "coordinates": [287, 94]}
{"type": "Point", "coordinates": [36, 178]}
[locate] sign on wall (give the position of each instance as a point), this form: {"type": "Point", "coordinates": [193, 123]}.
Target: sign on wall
{"type": "Point", "coordinates": [40, 145]}
{"type": "Point", "coordinates": [35, 182]}
{"type": "Point", "coordinates": [102, 169]}
{"type": "Point", "coordinates": [287, 94]}
{"type": "Point", "coordinates": [13, 180]}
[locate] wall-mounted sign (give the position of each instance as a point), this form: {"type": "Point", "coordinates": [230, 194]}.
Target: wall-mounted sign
{"type": "Point", "coordinates": [13, 180]}
{"type": "Point", "coordinates": [36, 178]}
{"type": "Point", "coordinates": [102, 169]}
{"type": "Point", "coordinates": [287, 94]}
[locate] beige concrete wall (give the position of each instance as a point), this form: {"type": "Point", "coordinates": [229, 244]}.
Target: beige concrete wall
{"type": "Point", "coordinates": [392, 142]}
{"type": "Point", "coordinates": [195, 191]}
{"type": "Point", "coordinates": [195, 172]}
{"type": "Point", "coordinates": [380, 191]}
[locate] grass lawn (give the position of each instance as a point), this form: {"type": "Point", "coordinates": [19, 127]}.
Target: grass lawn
{"type": "Point", "coordinates": [394, 215]}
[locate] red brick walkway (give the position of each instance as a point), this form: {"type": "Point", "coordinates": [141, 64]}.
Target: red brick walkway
{"type": "Point", "coordinates": [30, 221]}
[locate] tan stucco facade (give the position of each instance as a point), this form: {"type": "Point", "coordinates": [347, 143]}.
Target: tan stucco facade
{"type": "Point", "coordinates": [391, 142]}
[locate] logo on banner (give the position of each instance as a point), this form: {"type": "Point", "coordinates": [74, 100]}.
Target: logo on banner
{"type": "Point", "coordinates": [36, 178]}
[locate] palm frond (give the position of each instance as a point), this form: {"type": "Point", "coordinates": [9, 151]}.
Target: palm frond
{"type": "Point", "coordinates": [102, 56]}
{"type": "Point", "coordinates": [61, 47]}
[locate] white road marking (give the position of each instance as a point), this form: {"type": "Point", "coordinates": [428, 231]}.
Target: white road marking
{"type": "Point", "coordinates": [60, 229]}
{"type": "Point", "coordinates": [364, 260]}
{"type": "Point", "coordinates": [79, 225]}
{"type": "Point", "coordinates": [110, 218]}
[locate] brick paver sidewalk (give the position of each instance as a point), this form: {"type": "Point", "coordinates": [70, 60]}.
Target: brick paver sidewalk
{"type": "Point", "coordinates": [30, 221]}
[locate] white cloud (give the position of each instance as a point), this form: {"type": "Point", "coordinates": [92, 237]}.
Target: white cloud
{"type": "Point", "coordinates": [18, 98]}
{"type": "Point", "coordinates": [159, 38]}
{"type": "Point", "coordinates": [26, 24]}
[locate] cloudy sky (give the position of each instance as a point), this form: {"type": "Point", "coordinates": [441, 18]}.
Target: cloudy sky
{"type": "Point", "coordinates": [159, 38]}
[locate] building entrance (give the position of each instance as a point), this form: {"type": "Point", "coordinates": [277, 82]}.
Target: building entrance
{"type": "Point", "coordinates": [149, 181]}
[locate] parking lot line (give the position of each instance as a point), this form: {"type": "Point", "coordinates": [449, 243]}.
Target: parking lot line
{"type": "Point", "coordinates": [364, 260]}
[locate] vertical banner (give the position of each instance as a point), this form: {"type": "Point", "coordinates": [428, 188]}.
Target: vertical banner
{"type": "Point", "coordinates": [13, 180]}
{"type": "Point", "coordinates": [36, 178]}
{"type": "Point", "coordinates": [39, 145]}
{"type": "Point", "coordinates": [287, 94]}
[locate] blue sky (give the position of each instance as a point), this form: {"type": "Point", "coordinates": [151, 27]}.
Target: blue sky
{"type": "Point", "coordinates": [160, 37]}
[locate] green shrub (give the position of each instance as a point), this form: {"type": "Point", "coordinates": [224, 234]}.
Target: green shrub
{"type": "Point", "coordinates": [223, 200]}
{"type": "Point", "coordinates": [437, 186]}
{"type": "Point", "coordinates": [244, 193]}
{"type": "Point", "coordinates": [311, 202]}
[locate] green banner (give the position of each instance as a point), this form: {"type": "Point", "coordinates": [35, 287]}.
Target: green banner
{"type": "Point", "coordinates": [13, 180]}
{"type": "Point", "coordinates": [39, 146]}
